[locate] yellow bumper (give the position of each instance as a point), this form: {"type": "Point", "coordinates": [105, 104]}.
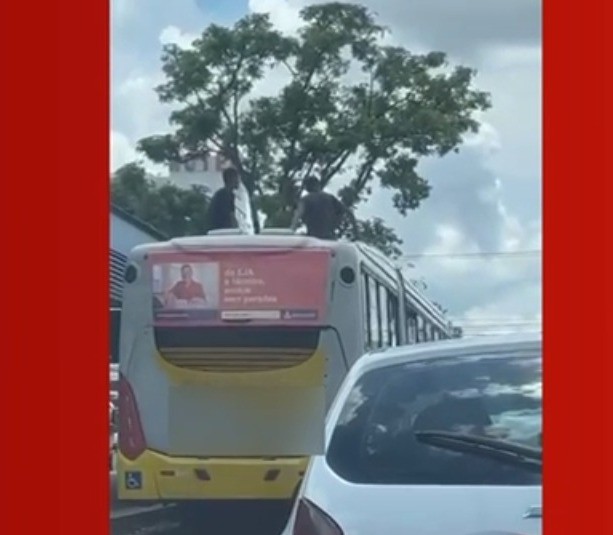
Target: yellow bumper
{"type": "Point", "coordinates": [154, 476]}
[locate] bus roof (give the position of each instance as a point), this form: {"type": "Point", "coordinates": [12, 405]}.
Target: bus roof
{"type": "Point", "coordinates": [230, 240]}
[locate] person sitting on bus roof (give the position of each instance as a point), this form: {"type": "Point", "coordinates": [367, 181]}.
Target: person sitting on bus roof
{"type": "Point", "coordinates": [221, 213]}
{"type": "Point", "coordinates": [321, 212]}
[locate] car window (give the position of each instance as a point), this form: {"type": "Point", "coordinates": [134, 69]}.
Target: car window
{"type": "Point", "coordinates": [374, 440]}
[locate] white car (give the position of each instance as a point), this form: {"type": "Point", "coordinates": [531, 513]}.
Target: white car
{"type": "Point", "coordinates": [432, 439]}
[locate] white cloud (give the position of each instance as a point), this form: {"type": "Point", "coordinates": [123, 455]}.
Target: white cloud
{"type": "Point", "coordinates": [511, 312]}
{"type": "Point", "coordinates": [284, 14]}
{"type": "Point", "coordinates": [122, 150]}
{"type": "Point", "coordinates": [487, 139]}
{"type": "Point", "coordinates": [122, 11]}
{"type": "Point", "coordinates": [460, 27]}
{"type": "Point", "coordinates": [172, 34]}
{"type": "Point", "coordinates": [514, 56]}
{"type": "Point", "coordinates": [137, 104]}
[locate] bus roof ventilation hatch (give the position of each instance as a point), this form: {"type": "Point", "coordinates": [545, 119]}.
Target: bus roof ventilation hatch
{"type": "Point", "coordinates": [278, 232]}
{"type": "Point", "coordinates": [226, 232]}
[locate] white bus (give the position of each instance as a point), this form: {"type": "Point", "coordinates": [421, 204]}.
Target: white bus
{"type": "Point", "coordinates": [231, 348]}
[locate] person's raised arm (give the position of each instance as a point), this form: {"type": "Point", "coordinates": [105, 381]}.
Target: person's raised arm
{"type": "Point", "coordinates": [232, 209]}
{"type": "Point", "coordinates": [298, 215]}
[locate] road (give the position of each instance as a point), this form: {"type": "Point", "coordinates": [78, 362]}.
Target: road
{"type": "Point", "coordinates": [223, 519]}
{"type": "Point", "coordinates": [172, 521]}
{"type": "Point", "coordinates": [220, 519]}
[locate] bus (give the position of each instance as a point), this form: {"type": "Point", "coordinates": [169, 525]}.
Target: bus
{"type": "Point", "coordinates": [232, 346]}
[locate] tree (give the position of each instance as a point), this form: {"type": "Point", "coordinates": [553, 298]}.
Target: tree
{"type": "Point", "coordinates": [172, 210]}
{"type": "Point", "coordinates": [353, 110]}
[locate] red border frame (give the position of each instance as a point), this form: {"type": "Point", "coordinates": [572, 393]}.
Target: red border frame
{"type": "Point", "coordinates": [55, 103]}
{"type": "Point", "coordinates": [577, 287]}
{"type": "Point", "coordinates": [54, 95]}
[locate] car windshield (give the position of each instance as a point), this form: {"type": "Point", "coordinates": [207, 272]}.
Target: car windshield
{"type": "Point", "coordinates": [398, 422]}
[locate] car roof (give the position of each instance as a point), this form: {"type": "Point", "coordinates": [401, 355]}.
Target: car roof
{"type": "Point", "coordinates": [499, 344]}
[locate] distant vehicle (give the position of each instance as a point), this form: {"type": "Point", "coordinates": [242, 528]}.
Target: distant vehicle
{"type": "Point", "coordinates": [438, 439]}
{"type": "Point", "coordinates": [112, 433]}
{"type": "Point", "coordinates": [114, 325]}
{"type": "Point", "coordinates": [232, 347]}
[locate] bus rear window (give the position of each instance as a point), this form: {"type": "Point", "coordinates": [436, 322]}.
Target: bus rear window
{"type": "Point", "coordinates": [249, 287]}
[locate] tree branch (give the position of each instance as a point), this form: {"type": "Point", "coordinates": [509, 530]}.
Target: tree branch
{"type": "Point", "coordinates": [296, 124]}
{"type": "Point", "coordinates": [289, 67]}
{"type": "Point", "coordinates": [363, 177]}
{"type": "Point", "coordinates": [338, 162]}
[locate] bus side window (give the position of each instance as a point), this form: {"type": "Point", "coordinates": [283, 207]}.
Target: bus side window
{"type": "Point", "coordinates": [380, 340]}
{"type": "Point", "coordinates": [429, 336]}
{"type": "Point", "coordinates": [420, 330]}
{"type": "Point", "coordinates": [374, 323]}
{"type": "Point", "coordinates": [366, 282]}
{"type": "Point", "coordinates": [393, 318]}
{"type": "Point", "coordinates": [384, 331]}
{"type": "Point", "coordinates": [411, 327]}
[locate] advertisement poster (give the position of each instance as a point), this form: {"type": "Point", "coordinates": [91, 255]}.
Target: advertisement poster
{"type": "Point", "coordinates": [215, 288]}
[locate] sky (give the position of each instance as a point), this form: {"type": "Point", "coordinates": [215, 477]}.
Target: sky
{"type": "Point", "coordinates": [476, 240]}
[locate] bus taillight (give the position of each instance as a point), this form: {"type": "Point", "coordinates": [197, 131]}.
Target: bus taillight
{"type": "Point", "coordinates": [131, 437]}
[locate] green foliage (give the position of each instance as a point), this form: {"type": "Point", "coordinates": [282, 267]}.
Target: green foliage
{"type": "Point", "coordinates": [357, 112]}
{"type": "Point", "coordinates": [172, 210]}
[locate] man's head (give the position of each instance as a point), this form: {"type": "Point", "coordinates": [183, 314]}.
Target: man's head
{"type": "Point", "coordinates": [230, 178]}
{"type": "Point", "coordinates": [311, 184]}
{"type": "Point", "coordinates": [186, 272]}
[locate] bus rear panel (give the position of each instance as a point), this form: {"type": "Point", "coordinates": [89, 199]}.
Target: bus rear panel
{"type": "Point", "coordinates": [223, 365]}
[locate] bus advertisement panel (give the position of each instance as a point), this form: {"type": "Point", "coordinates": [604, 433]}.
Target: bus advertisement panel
{"type": "Point", "coordinates": [287, 287]}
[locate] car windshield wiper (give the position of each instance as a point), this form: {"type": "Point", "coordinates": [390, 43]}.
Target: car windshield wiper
{"type": "Point", "coordinates": [509, 452]}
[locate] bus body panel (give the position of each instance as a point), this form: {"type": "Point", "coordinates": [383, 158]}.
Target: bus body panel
{"type": "Point", "coordinates": [245, 421]}
{"type": "Point", "coordinates": [345, 305]}
{"type": "Point", "coordinates": [166, 478]}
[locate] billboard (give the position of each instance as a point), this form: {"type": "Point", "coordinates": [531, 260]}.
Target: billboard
{"type": "Point", "coordinates": [279, 287]}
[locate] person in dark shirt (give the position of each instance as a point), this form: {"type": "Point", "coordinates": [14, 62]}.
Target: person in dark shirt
{"type": "Point", "coordinates": [221, 213]}
{"type": "Point", "coordinates": [321, 212]}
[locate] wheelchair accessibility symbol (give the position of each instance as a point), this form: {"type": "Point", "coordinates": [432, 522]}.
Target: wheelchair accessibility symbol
{"type": "Point", "coordinates": [133, 480]}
